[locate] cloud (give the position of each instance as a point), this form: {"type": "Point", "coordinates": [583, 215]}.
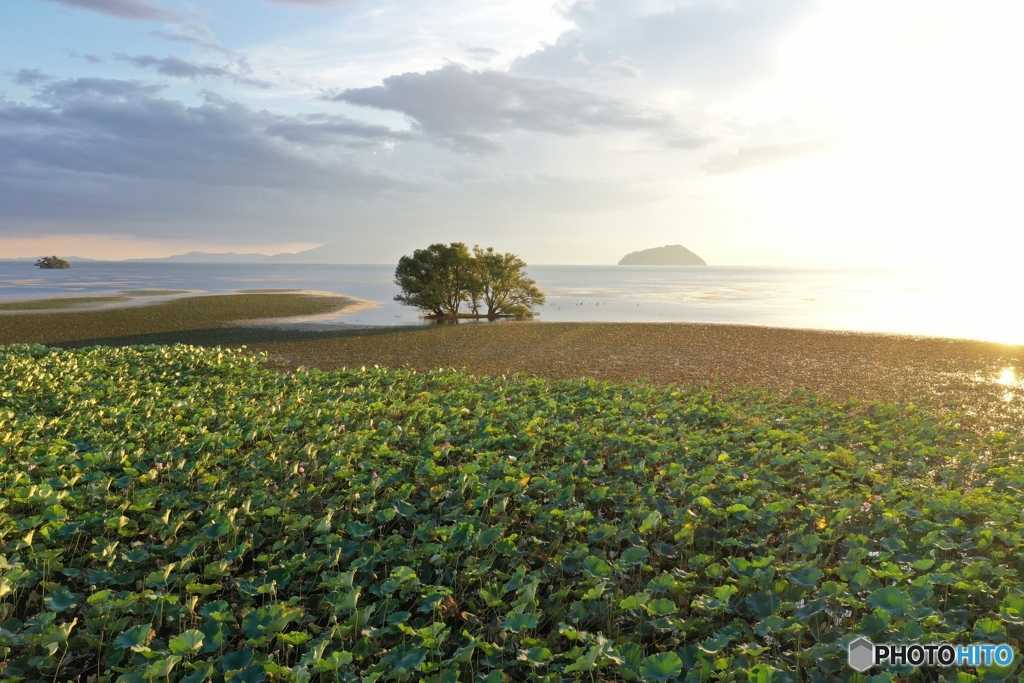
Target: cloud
{"type": "Point", "coordinates": [685, 141]}
{"type": "Point", "coordinates": [466, 109]}
{"type": "Point", "coordinates": [139, 10]}
{"type": "Point", "coordinates": [617, 69]}
{"type": "Point", "coordinates": [107, 89]}
{"type": "Point", "coordinates": [175, 67]}
{"type": "Point", "coordinates": [196, 35]}
{"type": "Point", "coordinates": [308, 3]}
{"type": "Point", "coordinates": [706, 43]}
{"type": "Point", "coordinates": [109, 132]}
{"type": "Point", "coordinates": [481, 54]}
{"type": "Point", "coordinates": [92, 59]}
{"type": "Point", "coordinates": [755, 156]}
{"type": "Point", "coordinates": [103, 155]}
{"type": "Point", "coordinates": [324, 129]}
{"type": "Point", "coordinates": [30, 77]}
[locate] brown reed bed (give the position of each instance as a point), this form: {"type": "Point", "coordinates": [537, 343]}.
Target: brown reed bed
{"type": "Point", "coordinates": [946, 374]}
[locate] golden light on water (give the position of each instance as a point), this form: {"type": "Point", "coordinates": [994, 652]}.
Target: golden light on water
{"type": "Point", "coordinates": [1008, 379]}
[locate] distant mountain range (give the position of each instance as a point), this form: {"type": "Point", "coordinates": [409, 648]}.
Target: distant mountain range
{"type": "Point", "coordinates": [33, 259]}
{"type": "Point", "coordinates": [669, 255]}
{"type": "Point", "coordinates": [328, 253]}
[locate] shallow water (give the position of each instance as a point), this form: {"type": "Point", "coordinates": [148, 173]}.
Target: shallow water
{"type": "Point", "coordinates": [953, 303]}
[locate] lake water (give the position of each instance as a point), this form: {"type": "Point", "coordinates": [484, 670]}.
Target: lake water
{"type": "Point", "coordinates": [973, 304]}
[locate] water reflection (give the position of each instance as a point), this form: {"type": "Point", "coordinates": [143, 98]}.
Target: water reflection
{"type": "Point", "coordinates": [1008, 379]}
{"type": "Point", "coordinates": [949, 303]}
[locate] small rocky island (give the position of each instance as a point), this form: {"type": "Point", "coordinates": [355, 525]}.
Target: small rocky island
{"type": "Point", "coordinates": [669, 255]}
{"type": "Point", "coordinates": [53, 263]}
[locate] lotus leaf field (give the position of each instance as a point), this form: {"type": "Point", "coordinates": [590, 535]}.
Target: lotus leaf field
{"type": "Point", "coordinates": [171, 513]}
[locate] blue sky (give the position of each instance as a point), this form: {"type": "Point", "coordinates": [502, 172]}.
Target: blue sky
{"type": "Point", "coordinates": [791, 132]}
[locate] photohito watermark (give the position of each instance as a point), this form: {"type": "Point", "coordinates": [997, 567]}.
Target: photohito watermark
{"type": "Point", "coordinates": [862, 654]}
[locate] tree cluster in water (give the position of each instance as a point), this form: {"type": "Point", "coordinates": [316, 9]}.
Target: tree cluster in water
{"type": "Point", "coordinates": [441, 278]}
{"type": "Point", "coordinates": [52, 263]}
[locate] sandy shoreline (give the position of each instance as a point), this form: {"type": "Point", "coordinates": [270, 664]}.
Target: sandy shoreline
{"type": "Point", "coordinates": [311, 323]}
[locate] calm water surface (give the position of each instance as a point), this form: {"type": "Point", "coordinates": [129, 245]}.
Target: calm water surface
{"type": "Point", "coordinates": [952, 303]}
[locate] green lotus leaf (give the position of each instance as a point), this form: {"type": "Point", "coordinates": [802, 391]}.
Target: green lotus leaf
{"type": "Point", "coordinates": [764, 603]}
{"type": "Point", "coordinates": [635, 555]}
{"type": "Point", "coordinates": [650, 522]}
{"type": "Point", "coordinates": [60, 599]}
{"type": "Point", "coordinates": [760, 673]}
{"type": "Point", "coordinates": [55, 513]}
{"type": "Point", "coordinates": [890, 599]}
{"type": "Point", "coordinates": [597, 567]}
{"type": "Point", "coordinates": [661, 607]}
{"type": "Point", "coordinates": [237, 660]}
{"type": "Point", "coordinates": [517, 622]}
{"type": "Point", "coordinates": [636, 601]}
{"type": "Point", "coordinates": [536, 655]}
{"type": "Point", "coordinates": [989, 630]}
{"type": "Point", "coordinates": [405, 658]}
{"type": "Point", "coordinates": [250, 674]}
{"type": "Point", "coordinates": [220, 528]}
{"type": "Point", "coordinates": [202, 673]}
{"type": "Point", "coordinates": [663, 583]}
{"type": "Point", "coordinates": [661, 667]}
{"type": "Point", "coordinates": [806, 577]}
{"type": "Point", "coordinates": [186, 642]}
{"type": "Point", "coordinates": [135, 638]}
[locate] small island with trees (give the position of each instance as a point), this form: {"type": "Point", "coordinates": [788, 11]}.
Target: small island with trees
{"type": "Point", "coordinates": [669, 255]}
{"type": "Point", "coordinates": [52, 263]}
{"type": "Point", "coordinates": [441, 278]}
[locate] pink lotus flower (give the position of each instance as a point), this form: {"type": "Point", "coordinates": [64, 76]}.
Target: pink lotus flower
{"type": "Point", "coordinates": [586, 461]}
{"type": "Point", "coordinates": [968, 489]}
{"type": "Point", "coordinates": [374, 475]}
{"type": "Point", "coordinates": [302, 470]}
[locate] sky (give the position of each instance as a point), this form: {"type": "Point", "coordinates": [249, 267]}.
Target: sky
{"type": "Point", "coordinates": [837, 133]}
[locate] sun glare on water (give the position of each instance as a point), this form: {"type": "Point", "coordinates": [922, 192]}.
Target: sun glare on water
{"type": "Point", "coordinates": [1008, 379]}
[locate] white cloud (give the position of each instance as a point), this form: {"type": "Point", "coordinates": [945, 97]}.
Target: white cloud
{"type": "Point", "coordinates": [755, 156]}
{"type": "Point", "coordinates": [708, 44]}
{"type": "Point", "coordinates": [368, 41]}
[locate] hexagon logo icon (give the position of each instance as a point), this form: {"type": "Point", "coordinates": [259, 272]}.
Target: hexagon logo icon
{"type": "Point", "coordinates": [861, 654]}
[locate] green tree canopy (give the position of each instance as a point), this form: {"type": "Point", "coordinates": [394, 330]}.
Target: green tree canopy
{"type": "Point", "coordinates": [436, 279]}
{"type": "Point", "coordinates": [440, 278]}
{"type": "Point", "coordinates": [52, 262]}
{"type": "Point", "coordinates": [501, 284]}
